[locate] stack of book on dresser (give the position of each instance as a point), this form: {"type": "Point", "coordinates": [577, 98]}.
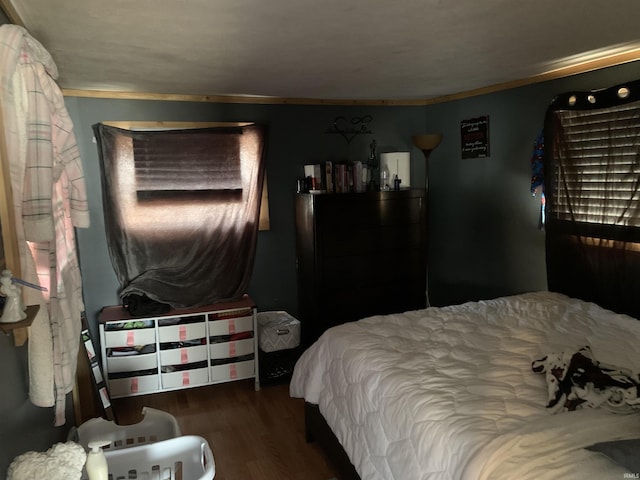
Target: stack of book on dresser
{"type": "Point", "coordinates": [346, 177]}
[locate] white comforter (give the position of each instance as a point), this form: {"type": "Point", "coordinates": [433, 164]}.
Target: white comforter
{"type": "Point", "coordinates": [448, 393]}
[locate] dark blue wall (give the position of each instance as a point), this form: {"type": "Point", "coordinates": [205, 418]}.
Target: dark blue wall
{"type": "Point", "coordinates": [484, 236]}
{"type": "Point", "coordinates": [297, 136]}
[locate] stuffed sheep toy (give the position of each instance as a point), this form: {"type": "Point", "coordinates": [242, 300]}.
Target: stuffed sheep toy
{"type": "Point", "coordinates": [63, 461]}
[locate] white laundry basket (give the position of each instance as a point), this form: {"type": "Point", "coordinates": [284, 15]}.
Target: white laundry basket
{"type": "Point", "coordinates": [155, 426]}
{"type": "Point", "coordinates": [186, 458]}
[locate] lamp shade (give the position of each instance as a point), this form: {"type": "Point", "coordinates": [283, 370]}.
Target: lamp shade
{"type": "Point", "coordinates": [427, 141]}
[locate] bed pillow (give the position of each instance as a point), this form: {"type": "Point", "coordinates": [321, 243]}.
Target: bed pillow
{"type": "Point", "coordinates": [624, 452]}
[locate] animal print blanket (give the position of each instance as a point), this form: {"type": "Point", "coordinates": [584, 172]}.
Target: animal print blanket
{"type": "Point", "coordinates": [576, 380]}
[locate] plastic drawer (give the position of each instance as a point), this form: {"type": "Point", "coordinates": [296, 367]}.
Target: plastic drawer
{"type": "Point", "coordinates": [182, 332]}
{"type": "Point", "coordinates": [185, 378]}
{"type": "Point", "coordinates": [232, 371]}
{"type": "Point", "coordinates": [232, 349]}
{"type": "Point", "coordinates": [130, 338]}
{"type": "Point", "coordinates": [230, 326]}
{"type": "Point", "coordinates": [120, 387]}
{"type": "Point", "coordinates": [179, 356]}
{"type": "Point", "coordinates": [132, 363]}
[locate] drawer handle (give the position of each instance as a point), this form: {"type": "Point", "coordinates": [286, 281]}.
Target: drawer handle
{"type": "Point", "coordinates": [282, 331]}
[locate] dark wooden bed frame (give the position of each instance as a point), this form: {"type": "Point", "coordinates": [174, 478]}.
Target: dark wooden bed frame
{"type": "Point", "coordinates": [317, 429]}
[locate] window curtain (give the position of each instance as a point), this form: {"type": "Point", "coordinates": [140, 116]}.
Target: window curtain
{"type": "Point", "coordinates": [181, 210]}
{"type": "Point", "coordinates": [592, 183]}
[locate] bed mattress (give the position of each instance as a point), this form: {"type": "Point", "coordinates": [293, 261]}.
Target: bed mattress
{"type": "Point", "coordinates": [449, 393]}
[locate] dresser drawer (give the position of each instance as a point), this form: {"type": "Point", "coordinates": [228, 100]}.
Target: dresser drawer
{"type": "Point", "coordinates": [230, 326]}
{"type": "Point", "coordinates": [346, 213]}
{"type": "Point", "coordinates": [232, 371]}
{"type": "Point", "coordinates": [130, 338]}
{"type": "Point", "coordinates": [132, 363]}
{"type": "Point", "coordinates": [231, 349]}
{"type": "Point", "coordinates": [122, 387]}
{"type": "Point", "coordinates": [185, 378]}
{"type": "Point", "coordinates": [182, 332]}
{"type": "Point", "coordinates": [181, 356]}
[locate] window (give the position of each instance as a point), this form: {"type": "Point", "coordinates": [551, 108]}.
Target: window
{"type": "Point", "coordinates": [592, 190]}
{"type": "Point", "coordinates": [149, 184]}
{"type": "Point", "coordinates": [182, 208]}
{"type": "Point", "coordinates": [598, 166]}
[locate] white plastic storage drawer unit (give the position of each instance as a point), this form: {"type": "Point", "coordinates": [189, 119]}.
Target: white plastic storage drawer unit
{"type": "Point", "coordinates": [183, 351]}
{"type": "Point", "coordinates": [130, 357]}
{"type": "Point", "coordinates": [180, 349]}
{"type": "Point", "coordinates": [233, 345]}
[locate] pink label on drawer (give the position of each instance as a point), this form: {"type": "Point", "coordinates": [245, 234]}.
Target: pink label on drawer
{"type": "Point", "coordinates": [185, 379]}
{"type": "Point", "coordinates": [232, 326]}
{"type": "Point", "coordinates": [184, 355]}
{"type": "Point", "coordinates": [232, 349]}
{"type": "Point", "coordinates": [233, 372]}
{"type": "Point", "coordinates": [183, 333]}
{"type": "Point", "coordinates": [134, 385]}
{"type": "Point", "coordinates": [130, 338]}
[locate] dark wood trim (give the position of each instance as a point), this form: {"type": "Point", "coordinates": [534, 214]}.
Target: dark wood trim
{"type": "Point", "coordinates": [118, 313]}
{"type": "Point", "coordinates": [317, 429]}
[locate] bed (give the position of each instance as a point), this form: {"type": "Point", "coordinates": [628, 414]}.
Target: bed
{"type": "Point", "coordinates": [541, 385]}
{"type": "Point", "coordinates": [449, 393]}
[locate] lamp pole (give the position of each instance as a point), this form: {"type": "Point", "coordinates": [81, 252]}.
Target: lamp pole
{"type": "Point", "coordinates": [427, 143]}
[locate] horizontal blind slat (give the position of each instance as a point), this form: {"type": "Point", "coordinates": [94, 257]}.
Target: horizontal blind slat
{"type": "Point", "coordinates": [598, 166]}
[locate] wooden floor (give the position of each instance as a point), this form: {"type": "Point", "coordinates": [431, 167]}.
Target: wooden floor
{"type": "Point", "coordinates": [253, 435]}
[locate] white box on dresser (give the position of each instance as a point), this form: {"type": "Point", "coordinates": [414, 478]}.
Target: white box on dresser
{"type": "Point", "coordinates": [179, 349]}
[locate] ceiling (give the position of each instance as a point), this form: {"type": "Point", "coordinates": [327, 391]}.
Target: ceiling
{"type": "Point", "coordinates": [399, 50]}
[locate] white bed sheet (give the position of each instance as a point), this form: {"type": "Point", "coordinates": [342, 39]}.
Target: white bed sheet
{"type": "Point", "coordinates": [448, 393]}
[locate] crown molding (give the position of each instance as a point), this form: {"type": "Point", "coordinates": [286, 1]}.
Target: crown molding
{"type": "Point", "coordinates": [567, 71]}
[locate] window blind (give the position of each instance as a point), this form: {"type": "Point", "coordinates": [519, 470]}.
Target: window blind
{"type": "Point", "coordinates": [201, 162]}
{"type": "Point", "coordinates": [597, 166]}
{"type": "Point", "coordinates": [592, 176]}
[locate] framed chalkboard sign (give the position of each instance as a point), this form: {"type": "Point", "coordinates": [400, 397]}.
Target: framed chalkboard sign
{"type": "Point", "coordinates": [474, 137]}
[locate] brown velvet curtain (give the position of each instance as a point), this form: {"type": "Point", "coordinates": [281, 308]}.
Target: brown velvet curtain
{"type": "Point", "coordinates": [181, 210]}
{"type": "Point", "coordinates": [592, 189]}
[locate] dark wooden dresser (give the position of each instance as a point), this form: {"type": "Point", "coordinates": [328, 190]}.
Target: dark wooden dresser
{"type": "Point", "coordinates": [359, 254]}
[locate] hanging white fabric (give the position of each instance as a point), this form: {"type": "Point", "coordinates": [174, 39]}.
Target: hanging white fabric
{"type": "Point", "coordinates": [49, 200]}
